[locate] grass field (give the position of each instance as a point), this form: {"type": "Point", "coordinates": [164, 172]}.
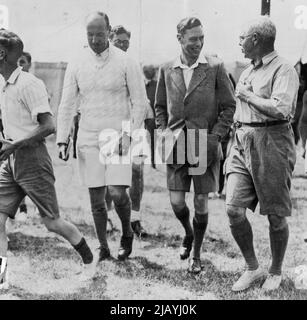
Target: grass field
{"type": "Point", "coordinates": [43, 266]}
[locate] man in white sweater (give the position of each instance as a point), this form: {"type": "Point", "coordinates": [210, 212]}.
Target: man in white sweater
{"type": "Point", "coordinates": [111, 91]}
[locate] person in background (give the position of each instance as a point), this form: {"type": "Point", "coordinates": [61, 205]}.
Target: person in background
{"type": "Point", "coordinates": [262, 158]}
{"type": "Point", "coordinates": [120, 38]}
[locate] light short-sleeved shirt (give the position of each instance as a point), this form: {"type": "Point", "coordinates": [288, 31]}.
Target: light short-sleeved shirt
{"type": "Point", "coordinates": [22, 97]}
{"type": "Point", "coordinates": [273, 79]}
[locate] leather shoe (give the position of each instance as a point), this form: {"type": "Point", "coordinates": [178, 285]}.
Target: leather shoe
{"type": "Point", "coordinates": [186, 247]}
{"type": "Point", "coordinates": [195, 266]}
{"type": "Point", "coordinates": [125, 248]}
{"type": "Point", "coordinates": [104, 254]}
{"type": "Point", "coordinates": [138, 229]}
{"type": "Point", "coordinates": [247, 279]}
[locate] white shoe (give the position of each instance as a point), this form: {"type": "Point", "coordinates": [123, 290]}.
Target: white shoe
{"type": "Point", "coordinates": [247, 279]}
{"type": "Point", "coordinates": [88, 271]}
{"type": "Point", "coordinates": [272, 282]}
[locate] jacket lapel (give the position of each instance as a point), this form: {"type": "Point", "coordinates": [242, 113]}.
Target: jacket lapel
{"type": "Point", "coordinates": [199, 75]}
{"type": "Point", "coordinates": [177, 78]}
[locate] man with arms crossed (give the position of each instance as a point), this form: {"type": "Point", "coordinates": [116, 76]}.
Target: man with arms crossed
{"type": "Point", "coordinates": [27, 167]}
{"type": "Point", "coordinates": [261, 161]}
{"type": "Point", "coordinates": [111, 90]}
{"type": "Point", "coordinates": [194, 92]}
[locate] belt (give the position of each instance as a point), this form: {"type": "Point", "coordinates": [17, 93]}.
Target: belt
{"type": "Point", "coordinates": [239, 124]}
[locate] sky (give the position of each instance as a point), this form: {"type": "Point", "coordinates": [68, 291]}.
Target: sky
{"type": "Point", "coordinates": [54, 30]}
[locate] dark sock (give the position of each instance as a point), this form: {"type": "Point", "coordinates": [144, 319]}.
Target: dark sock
{"type": "Point", "coordinates": [100, 217]}
{"type": "Point", "coordinates": [200, 222]}
{"type": "Point", "coordinates": [278, 242]}
{"type": "Point", "coordinates": [85, 252]}
{"type": "Point", "coordinates": [243, 234]}
{"type": "Point", "coordinates": [184, 217]}
{"type": "Point", "coordinates": [124, 214]}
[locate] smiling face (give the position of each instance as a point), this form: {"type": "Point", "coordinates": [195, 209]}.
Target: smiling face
{"type": "Point", "coordinates": [98, 34]}
{"type": "Point", "coordinates": [192, 42]}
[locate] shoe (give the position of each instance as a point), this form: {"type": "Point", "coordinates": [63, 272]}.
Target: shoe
{"type": "Point", "coordinates": [23, 208]}
{"type": "Point", "coordinates": [125, 248]}
{"type": "Point", "coordinates": [138, 229]}
{"type": "Point", "coordinates": [195, 266]}
{"type": "Point", "coordinates": [104, 254]}
{"type": "Point", "coordinates": [272, 282]}
{"type": "Point", "coordinates": [186, 247]}
{"type": "Point", "coordinates": [247, 279]}
{"type": "Point", "coordinates": [4, 283]}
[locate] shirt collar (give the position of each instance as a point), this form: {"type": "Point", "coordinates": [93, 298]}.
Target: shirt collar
{"type": "Point", "coordinates": [15, 74]}
{"type": "Point", "coordinates": [267, 59]}
{"type": "Point", "coordinates": [178, 62]}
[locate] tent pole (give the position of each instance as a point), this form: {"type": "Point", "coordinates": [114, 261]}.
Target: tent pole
{"type": "Point", "coordinates": [265, 7]}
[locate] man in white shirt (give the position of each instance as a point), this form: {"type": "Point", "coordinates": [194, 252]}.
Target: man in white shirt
{"type": "Point", "coordinates": [27, 168]}
{"type": "Point", "coordinates": [111, 91]}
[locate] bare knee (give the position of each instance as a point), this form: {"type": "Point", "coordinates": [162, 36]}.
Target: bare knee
{"type": "Point", "coordinates": [276, 222]}
{"type": "Point", "coordinates": [201, 203]}
{"type": "Point", "coordinates": [177, 201]}
{"type": "Point", "coordinates": [235, 214]}
{"type": "Point", "coordinates": [52, 225]}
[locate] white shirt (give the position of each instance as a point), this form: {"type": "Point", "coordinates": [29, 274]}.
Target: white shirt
{"type": "Point", "coordinates": [111, 90]}
{"type": "Point", "coordinates": [22, 98]}
{"type": "Point", "coordinates": [188, 71]}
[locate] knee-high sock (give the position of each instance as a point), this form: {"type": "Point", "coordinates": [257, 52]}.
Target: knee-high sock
{"type": "Point", "coordinates": [124, 214]}
{"type": "Point", "coordinates": [200, 222]}
{"type": "Point", "coordinates": [183, 216]}
{"type": "Point", "coordinates": [243, 234]}
{"type": "Point", "coordinates": [278, 242]}
{"type": "Point", "coordinates": [100, 220]}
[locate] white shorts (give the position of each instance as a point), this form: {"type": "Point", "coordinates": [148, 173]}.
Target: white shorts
{"type": "Point", "coordinates": [93, 173]}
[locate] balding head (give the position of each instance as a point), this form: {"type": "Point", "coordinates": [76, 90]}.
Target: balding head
{"type": "Point", "coordinates": [257, 37]}
{"type": "Point", "coordinates": [98, 30]}
{"type": "Point", "coordinates": [264, 28]}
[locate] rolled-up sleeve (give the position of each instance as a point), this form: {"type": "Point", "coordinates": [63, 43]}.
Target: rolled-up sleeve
{"type": "Point", "coordinates": [284, 91]}
{"type": "Point", "coordinates": [35, 96]}
{"type": "Point", "coordinates": [68, 106]}
{"type": "Point", "coordinates": [137, 92]}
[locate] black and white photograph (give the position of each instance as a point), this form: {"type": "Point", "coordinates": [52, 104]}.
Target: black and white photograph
{"type": "Point", "coordinates": [153, 150]}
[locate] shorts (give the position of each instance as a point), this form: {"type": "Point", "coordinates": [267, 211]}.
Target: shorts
{"type": "Point", "coordinates": [259, 169]}
{"type": "Point", "coordinates": [95, 174]}
{"type": "Point", "coordinates": [28, 171]}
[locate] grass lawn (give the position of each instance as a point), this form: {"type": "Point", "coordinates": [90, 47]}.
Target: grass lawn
{"type": "Point", "coordinates": [43, 266]}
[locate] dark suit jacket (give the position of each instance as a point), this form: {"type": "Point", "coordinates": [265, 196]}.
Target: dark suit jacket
{"type": "Point", "coordinates": [208, 103]}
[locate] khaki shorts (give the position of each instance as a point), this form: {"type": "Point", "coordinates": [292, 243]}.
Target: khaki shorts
{"type": "Point", "coordinates": [28, 171]}
{"type": "Point", "coordinates": [259, 169]}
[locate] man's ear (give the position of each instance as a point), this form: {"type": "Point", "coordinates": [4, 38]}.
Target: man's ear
{"type": "Point", "coordinates": [2, 54]}
{"type": "Point", "coordinates": [255, 38]}
{"type": "Point", "coordinates": [179, 37]}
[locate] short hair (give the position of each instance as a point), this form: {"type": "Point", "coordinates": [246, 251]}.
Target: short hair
{"type": "Point", "coordinates": [264, 27]}
{"type": "Point", "coordinates": [187, 23]}
{"type": "Point", "coordinates": [119, 30]}
{"type": "Point", "coordinates": [27, 55]}
{"type": "Point", "coordinates": [11, 41]}
{"type": "Point", "coordinates": [100, 14]}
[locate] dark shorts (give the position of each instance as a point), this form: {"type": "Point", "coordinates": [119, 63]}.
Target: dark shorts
{"type": "Point", "coordinates": [179, 179]}
{"type": "Point", "coordinates": [259, 169]}
{"type": "Point", "coordinates": [28, 172]}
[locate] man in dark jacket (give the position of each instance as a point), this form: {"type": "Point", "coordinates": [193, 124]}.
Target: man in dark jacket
{"type": "Point", "coordinates": [194, 93]}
